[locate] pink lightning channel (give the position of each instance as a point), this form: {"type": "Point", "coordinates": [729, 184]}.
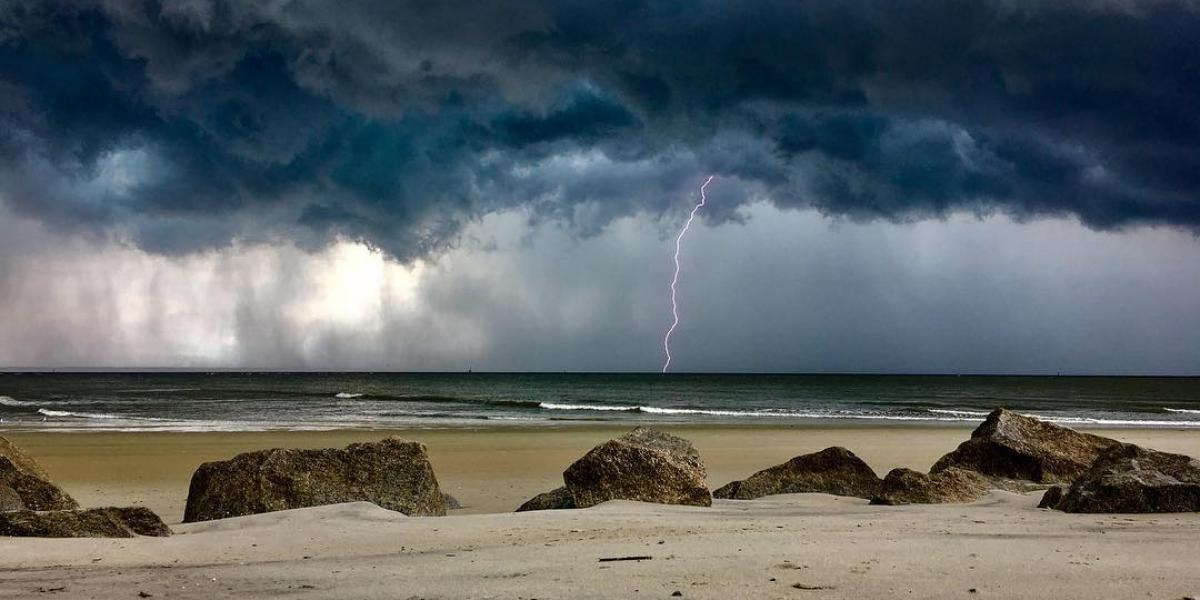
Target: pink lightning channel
{"type": "Point", "coordinates": [675, 278]}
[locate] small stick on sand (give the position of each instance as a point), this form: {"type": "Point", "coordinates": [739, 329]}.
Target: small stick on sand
{"type": "Point", "coordinates": [618, 558]}
{"type": "Point", "coordinates": [804, 586]}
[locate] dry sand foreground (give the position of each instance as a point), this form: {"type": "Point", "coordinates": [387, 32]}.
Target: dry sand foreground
{"type": "Point", "coordinates": [795, 546]}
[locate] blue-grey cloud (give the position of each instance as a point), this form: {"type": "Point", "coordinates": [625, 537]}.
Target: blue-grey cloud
{"type": "Point", "coordinates": [189, 125]}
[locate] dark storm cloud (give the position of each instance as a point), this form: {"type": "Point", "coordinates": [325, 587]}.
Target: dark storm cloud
{"type": "Point", "coordinates": [189, 125]}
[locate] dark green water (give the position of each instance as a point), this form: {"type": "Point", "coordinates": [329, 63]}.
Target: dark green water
{"type": "Point", "coordinates": [260, 401]}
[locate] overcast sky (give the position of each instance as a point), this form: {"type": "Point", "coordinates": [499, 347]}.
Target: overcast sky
{"type": "Point", "coordinates": [933, 186]}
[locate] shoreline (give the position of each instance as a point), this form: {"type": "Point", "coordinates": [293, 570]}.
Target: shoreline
{"type": "Point", "coordinates": [489, 469]}
{"type": "Point", "coordinates": [951, 418]}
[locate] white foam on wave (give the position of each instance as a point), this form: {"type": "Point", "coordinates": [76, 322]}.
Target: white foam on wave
{"type": "Point", "coordinates": [602, 407]}
{"type": "Point", "coordinates": [937, 415]}
{"type": "Point", "coordinates": [765, 412]}
{"type": "Point", "coordinates": [1076, 420]}
{"type": "Point", "coordinates": [958, 413]}
{"type": "Point", "coordinates": [347, 395]}
{"type": "Point", "coordinates": [1186, 411]}
{"type": "Point", "coordinates": [86, 415]}
{"type": "Point", "coordinates": [66, 413]}
{"type": "Point", "coordinates": [167, 425]}
{"type": "Point", "coordinates": [10, 401]}
{"type": "Point", "coordinates": [1119, 422]}
{"type": "Point", "coordinates": [654, 410]}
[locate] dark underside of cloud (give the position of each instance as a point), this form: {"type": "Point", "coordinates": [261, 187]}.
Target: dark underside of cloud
{"type": "Point", "coordinates": [181, 126]}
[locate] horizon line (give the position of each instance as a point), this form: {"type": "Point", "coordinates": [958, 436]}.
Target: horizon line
{"type": "Point", "coordinates": [655, 372]}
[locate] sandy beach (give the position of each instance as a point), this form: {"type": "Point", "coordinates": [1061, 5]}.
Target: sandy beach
{"type": "Point", "coordinates": [800, 545]}
{"type": "Point", "coordinates": [488, 470]}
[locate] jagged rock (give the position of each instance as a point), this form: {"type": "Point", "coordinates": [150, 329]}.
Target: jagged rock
{"type": "Point", "coordinates": [1054, 495]}
{"type": "Point", "coordinates": [82, 523]}
{"type": "Point", "coordinates": [645, 465]}
{"type": "Point", "coordinates": [394, 474]}
{"type": "Point", "coordinates": [832, 471]}
{"type": "Point", "coordinates": [24, 485]}
{"type": "Point", "coordinates": [1132, 479]}
{"type": "Point", "coordinates": [1008, 445]}
{"type": "Point", "coordinates": [452, 503]}
{"type": "Point", "coordinates": [556, 499]}
{"type": "Point", "coordinates": [906, 486]}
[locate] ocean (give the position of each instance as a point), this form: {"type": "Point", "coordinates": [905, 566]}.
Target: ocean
{"type": "Point", "coordinates": [241, 401]}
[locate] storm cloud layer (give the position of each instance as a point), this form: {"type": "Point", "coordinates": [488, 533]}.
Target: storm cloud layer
{"type": "Point", "coordinates": [783, 291]}
{"type": "Point", "coordinates": [192, 125]}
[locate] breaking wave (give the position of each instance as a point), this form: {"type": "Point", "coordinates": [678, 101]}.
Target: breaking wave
{"type": "Point", "coordinates": [85, 415]}
{"type": "Point", "coordinates": [605, 408]}
{"type": "Point", "coordinates": [934, 415]}
{"type": "Point", "coordinates": [958, 413]}
{"type": "Point", "coordinates": [9, 401]}
{"type": "Point", "coordinates": [763, 412]}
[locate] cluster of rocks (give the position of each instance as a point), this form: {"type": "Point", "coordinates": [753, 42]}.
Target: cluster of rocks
{"type": "Point", "coordinates": [32, 506]}
{"type": "Point", "coordinates": [1008, 451]}
{"type": "Point", "coordinates": [1083, 473]}
{"type": "Point", "coordinates": [1086, 473]}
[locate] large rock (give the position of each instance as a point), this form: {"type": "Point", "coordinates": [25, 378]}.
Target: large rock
{"type": "Point", "coordinates": [831, 471]}
{"type": "Point", "coordinates": [556, 499]}
{"type": "Point", "coordinates": [1132, 479]}
{"type": "Point", "coordinates": [394, 474]}
{"type": "Point", "coordinates": [645, 465]}
{"type": "Point", "coordinates": [906, 486]}
{"type": "Point", "coordinates": [1012, 446]}
{"type": "Point", "coordinates": [24, 485]}
{"type": "Point", "coordinates": [92, 522]}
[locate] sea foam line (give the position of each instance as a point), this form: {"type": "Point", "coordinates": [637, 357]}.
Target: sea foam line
{"type": "Point", "coordinates": [946, 415]}
{"type": "Point", "coordinates": [556, 406]}
{"type": "Point", "coordinates": [765, 412]}
{"type": "Point", "coordinates": [959, 413]}
{"type": "Point", "coordinates": [66, 413]}
{"type": "Point", "coordinates": [84, 415]}
{"type": "Point", "coordinates": [10, 401]}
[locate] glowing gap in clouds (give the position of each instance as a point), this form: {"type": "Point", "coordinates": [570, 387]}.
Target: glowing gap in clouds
{"type": "Point", "coordinates": [675, 279]}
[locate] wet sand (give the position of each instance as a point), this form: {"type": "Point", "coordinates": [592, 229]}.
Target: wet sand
{"type": "Point", "coordinates": [488, 470]}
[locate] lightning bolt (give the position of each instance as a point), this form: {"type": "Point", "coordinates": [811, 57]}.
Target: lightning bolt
{"type": "Point", "coordinates": [675, 278]}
